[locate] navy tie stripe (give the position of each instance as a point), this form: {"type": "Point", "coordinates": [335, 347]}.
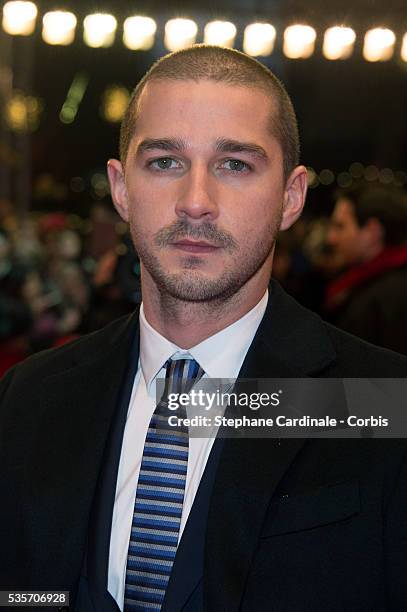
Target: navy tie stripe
{"type": "Point", "coordinates": [159, 497]}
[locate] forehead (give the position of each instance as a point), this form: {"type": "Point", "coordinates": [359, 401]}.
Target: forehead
{"type": "Point", "coordinates": [344, 210]}
{"type": "Point", "coordinates": [204, 110]}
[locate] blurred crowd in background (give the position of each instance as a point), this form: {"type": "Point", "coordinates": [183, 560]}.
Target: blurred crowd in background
{"type": "Point", "coordinates": [62, 276]}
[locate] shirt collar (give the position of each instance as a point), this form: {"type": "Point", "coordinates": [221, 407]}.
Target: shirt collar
{"type": "Point", "coordinates": [220, 355]}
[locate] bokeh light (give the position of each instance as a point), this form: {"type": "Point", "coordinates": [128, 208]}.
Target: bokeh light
{"type": "Point", "coordinates": [259, 39]}
{"type": "Point", "coordinates": [58, 27]}
{"type": "Point", "coordinates": [299, 41]}
{"type": "Point", "coordinates": [139, 33]}
{"type": "Point", "coordinates": [19, 18]}
{"type": "Point", "coordinates": [99, 30]}
{"type": "Point", "coordinates": [338, 43]}
{"type": "Point", "coordinates": [114, 103]}
{"type": "Point", "coordinates": [378, 45]}
{"type": "Point", "coordinates": [220, 33]}
{"type": "Point", "coordinates": [180, 33]}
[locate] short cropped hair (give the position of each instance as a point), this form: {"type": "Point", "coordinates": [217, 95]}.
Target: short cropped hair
{"type": "Point", "coordinates": [207, 62]}
{"type": "Point", "coordinates": [385, 203]}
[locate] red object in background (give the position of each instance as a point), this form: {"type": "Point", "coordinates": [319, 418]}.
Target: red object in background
{"type": "Point", "coordinates": [14, 351]}
{"type": "Point", "coordinates": [65, 339]}
{"type": "Point", "coordinates": [53, 222]}
{"type": "Point", "coordinates": [11, 353]}
{"type": "Point", "coordinates": [389, 259]}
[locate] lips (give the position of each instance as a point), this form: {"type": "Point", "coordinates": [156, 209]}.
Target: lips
{"type": "Point", "coordinates": [195, 246]}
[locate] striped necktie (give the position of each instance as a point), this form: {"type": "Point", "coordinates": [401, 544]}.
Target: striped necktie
{"type": "Point", "coordinates": [159, 497]}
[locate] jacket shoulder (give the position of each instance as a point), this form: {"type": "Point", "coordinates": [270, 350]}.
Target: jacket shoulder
{"type": "Point", "coordinates": [357, 358]}
{"type": "Point", "coordinates": [56, 360]}
{"type": "Point", "coordinates": [312, 347]}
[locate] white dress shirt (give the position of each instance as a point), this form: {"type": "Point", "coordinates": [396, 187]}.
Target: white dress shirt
{"type": "Point", "coordinates": [220, 356]}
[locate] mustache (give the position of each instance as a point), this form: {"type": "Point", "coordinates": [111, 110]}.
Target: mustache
{"type": "Point", "coordinates": [182, 229]}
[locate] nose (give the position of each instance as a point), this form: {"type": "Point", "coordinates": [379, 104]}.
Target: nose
{"type": "Point", "coordinates": [197, 195]}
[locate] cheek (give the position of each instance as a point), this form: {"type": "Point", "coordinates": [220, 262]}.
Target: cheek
{"type": "Point", "coordinates": [256, 225]}
{"type": "Point", "coordinates": [353, 240]}
{"type": "Point", "coordinates": [256, 209]}
{"type": "Point", "coordinates": [148, 212]}
{"type": "Point", "coordinates": [266, 215]}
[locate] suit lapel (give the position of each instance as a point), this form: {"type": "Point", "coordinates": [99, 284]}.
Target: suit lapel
{"type": "Point", "coordinates": [77, 409]}
{"type": "Point", "coordinates": [290, 342]}
{"type": "Point", "coordinates": [102, 509]}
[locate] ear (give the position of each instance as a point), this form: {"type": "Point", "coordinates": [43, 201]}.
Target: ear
{"type": "Point", "coordinates": [118, 188]}
{"type": "Point", "coordinates": [375, 229]}
{"type": "Point", "coordinates": [294, 197]}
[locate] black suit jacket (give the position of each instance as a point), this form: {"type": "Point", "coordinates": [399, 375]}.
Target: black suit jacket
{"type": "Point", "coordinates": [279, 525]}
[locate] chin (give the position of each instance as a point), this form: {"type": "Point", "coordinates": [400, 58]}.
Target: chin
{"type": "Point", "coordinates": [200, 288]}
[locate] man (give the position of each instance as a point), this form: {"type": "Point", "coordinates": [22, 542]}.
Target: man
{"type": "Point", "coordinates": [208, 174]}
{"type": "Point", "coordinates": [369, 236]}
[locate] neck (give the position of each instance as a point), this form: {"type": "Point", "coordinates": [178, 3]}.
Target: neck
{"type": "Point", "coordinates": [188, 323]}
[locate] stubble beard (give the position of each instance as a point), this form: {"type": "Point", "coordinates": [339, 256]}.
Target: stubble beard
{"type": "Point", "coordinates": [190, 284]}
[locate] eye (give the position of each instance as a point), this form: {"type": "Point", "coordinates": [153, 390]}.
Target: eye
{"type": "Point", "coordinates": [164, 163]}
{"type": "Point", "coordinates": [235, 165]}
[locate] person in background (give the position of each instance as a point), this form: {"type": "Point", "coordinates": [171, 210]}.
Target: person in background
{"type": "Point", "coordinates": [115, 285]}
{"type": "Point", "coordinates": [368, 234]}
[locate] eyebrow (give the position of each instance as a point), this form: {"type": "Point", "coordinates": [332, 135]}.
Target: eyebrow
{"type": "Point", "coordinates": [164, 144]}
{"type": "Point", "coordinates": [223, 145]}
{"type": "Point", "coordinates": [235, 146]}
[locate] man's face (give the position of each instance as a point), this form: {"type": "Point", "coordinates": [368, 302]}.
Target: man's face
{"type": "Point", "coordinates": [345, 235]}
{"type": "Point", "coordinates": [203, 187]}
